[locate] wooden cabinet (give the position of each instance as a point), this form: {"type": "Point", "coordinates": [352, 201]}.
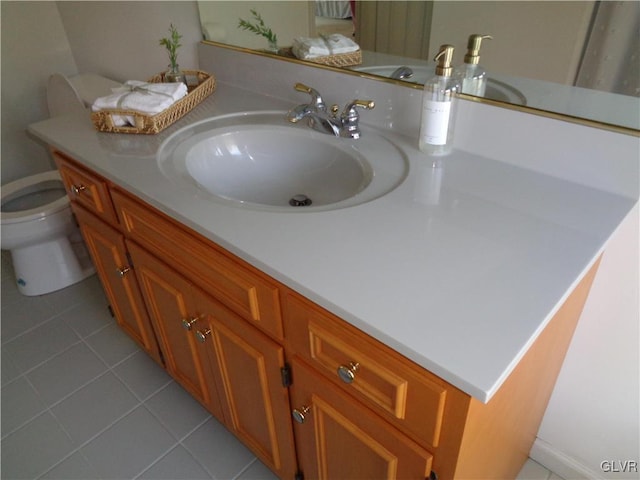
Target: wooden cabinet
{"type": "Point", "coordinates": [176, 316]}
{"type": "Point", "coordinates": [338, 439]}
{"type": "Point", "coordinates": [85, 188]}
{"type": "Point", "coordinates": [94, 211]}
{"type": "Point", "coordinates": [410, 398]}
{"type": "Point", "coordinates": [229, 333]}
{"type": "Point", "coordinates": [228, 365]}
{"type": "Point", "coordinates": [107, 248]}
{"type": "Point", "coordinates": [214, 322]}
{"type": "Point", "coordinates": [254, 398]}
{"type": "Point", "coordinates": [242, 288]}
{"type": "Point", "coordinates": [354, 376]}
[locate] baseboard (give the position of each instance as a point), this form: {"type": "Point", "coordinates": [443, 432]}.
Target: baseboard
{"type": "Point", "coordinates": [560, 463]}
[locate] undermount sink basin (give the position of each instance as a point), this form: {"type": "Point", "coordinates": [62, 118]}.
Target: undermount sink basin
{"type": "Point", "coordinates": [259, 160]}
{"type": "Point", "coordinates": [495, 90]}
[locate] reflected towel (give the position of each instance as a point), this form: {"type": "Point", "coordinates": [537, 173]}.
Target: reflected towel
{"type": "Point", "coordinates": [335, 44]}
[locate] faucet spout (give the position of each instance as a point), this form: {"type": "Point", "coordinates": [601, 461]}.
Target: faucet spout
{"type": "Point", "coordinates": [401, 73]}
{"type": "Point", "coordinates": [298, 113]}
{"type": "Point", "coordinates": [318, 118]}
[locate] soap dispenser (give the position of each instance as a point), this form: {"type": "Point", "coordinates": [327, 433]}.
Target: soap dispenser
{"type": "Point", "coordinates": [472, 76]}
{"type": "Point", "coordinates": [438, 106]}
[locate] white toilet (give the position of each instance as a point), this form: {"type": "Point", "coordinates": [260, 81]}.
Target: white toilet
{"type": "Point", "coordinates": [46, 247]}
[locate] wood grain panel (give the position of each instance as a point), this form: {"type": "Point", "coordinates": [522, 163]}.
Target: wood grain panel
{"type": "Point", "coordinates": [107, 248]}
{"type": "Point", "coordinates": [341, 439]}
{"type": "Point", "coordinates": [237, 285]}
{"type": "Point", "coordinates": [256, 404]}
{"type": "Point", "coordinates": [93, 193]}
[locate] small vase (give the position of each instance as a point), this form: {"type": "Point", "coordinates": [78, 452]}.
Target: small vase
{"type": "Point", "coordinates": [273, 47]}
{"type": "Point", "coordinates": [174, 75]}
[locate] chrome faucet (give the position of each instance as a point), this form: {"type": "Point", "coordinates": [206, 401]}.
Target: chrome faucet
{"type": "Point", "coordinates": [402, 73]}
{"type": "Point", "coordinates": [319, 118]}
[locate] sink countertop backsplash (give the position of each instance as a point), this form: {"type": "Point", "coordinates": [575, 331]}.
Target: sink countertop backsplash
{"type": "Point", "coordinates": [460, 270]}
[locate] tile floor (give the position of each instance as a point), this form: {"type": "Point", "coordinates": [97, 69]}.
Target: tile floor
{"type": "Point", "coordinates": [81, 401]}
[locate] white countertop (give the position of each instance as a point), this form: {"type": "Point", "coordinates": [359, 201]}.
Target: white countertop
{"type": "Point", "coordinates": [460, 279]}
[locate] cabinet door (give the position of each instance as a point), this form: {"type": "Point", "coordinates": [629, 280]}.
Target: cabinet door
{"type": "Point", "coordinates": [339, 438]}
{"type": "Point", "coordinates": [254, 399]}
{"type": "Point", "coordinates": [108, 251]}
{"type": "Point", "coordinates": [86, 188]}
{"type": "Point", "coordinates": [176, 320]}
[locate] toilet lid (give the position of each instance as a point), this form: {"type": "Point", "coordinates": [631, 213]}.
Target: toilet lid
{"type": "Point", "coordinates": [62, 96]}
{"type": "Point", "coordinates": [33, 197]}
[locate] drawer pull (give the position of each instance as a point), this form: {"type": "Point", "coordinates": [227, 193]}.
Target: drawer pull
{"type": "Point", "coordinates": [187, 323]}
{"type": "Point", "coordinates": [123, 271]}
{"type": "Point", "coordinates": [202, 336]}
{"type": "Point", "coordinates": [76, 189]}
{"type": "Point", "coordinates": [299, 415]}
{"type": "Point", "coordinates": [348, 374]}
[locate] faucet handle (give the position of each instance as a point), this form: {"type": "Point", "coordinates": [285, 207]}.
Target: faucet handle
{"type": "Point", "coordinates": [350, 117]}
{"type": "Point", "coordinates": [316, 99]}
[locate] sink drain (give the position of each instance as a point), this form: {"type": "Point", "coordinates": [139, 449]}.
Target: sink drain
{"type": "Point", "coordinates": [300, 201]}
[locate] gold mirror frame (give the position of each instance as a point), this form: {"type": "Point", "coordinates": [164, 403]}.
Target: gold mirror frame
{"type": "Point", "coordinates": [520, 108]}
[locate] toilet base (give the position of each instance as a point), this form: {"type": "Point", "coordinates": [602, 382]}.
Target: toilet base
{"type": "Point", "coordinates": [51, 266]}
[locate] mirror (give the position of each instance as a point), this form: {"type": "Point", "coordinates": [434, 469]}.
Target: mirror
{"type": "Point", "coordinates": [576, 58]}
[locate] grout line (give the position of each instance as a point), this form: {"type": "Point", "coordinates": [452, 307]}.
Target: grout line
{"type": "Point", "coordinates": [246, 467]}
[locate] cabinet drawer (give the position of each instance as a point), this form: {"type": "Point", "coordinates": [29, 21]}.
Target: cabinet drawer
{"type": "Point", "coordinates": [339, 438]}
{"type": "Point", "coordinates": [237, 285]}
{"type": "Point", "coordinates": [86, 188]}
{"type": "Point", "coordinates": [403, 393]}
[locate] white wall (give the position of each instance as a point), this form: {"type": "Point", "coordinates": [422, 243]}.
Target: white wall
{"type": "Point", "coordinates": [34, 45]}
{"type": "Point", "coordinates": [593, 414]}
{"type": "Point", "coordinates": [119, 40]}
{"type": "Point", "coordinates": [116, 39]}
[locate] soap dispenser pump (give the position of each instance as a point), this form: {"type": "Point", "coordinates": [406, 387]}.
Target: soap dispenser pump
{"type": "Point", "coordinates": [439, 101]}
{"type": "Point", "coordinates": [472, 76]}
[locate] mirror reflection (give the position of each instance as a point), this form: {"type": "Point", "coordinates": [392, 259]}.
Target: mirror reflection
{"type": "Point", "coordinates": [577, 58]}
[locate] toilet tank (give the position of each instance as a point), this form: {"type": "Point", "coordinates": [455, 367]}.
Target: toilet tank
{"type": "Point", "coordinates": [76, 93]}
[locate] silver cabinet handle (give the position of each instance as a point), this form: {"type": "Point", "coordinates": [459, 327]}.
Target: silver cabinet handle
{"type": "Point", "coordinates": [187, 323]}
{"type": "Point", "coordinates": [123, 271]}
{"type": "Point", "coordinates": [202, 336]}
{"type": "Point", "coordinates": [76, 189]}
{"type": "Point", "coordinates": [299, 415]}
{"type": "Point", "coordinates": [348, 373]}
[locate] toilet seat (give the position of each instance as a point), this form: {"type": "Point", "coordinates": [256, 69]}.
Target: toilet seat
{"type": "Point", "coordinates": [12, 190]}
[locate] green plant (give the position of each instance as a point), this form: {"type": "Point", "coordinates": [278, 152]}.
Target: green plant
{"type": "Point", "coordinates": [259, 28]}
{"type": "Point", "coordinates": [172, 44]}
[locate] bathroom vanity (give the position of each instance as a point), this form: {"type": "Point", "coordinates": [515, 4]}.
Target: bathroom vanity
{"type": "Point", "coordinates": [415, 335]}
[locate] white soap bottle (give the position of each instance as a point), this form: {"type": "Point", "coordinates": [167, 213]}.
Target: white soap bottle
{"type": "Point", "coordinates": [472, 76]}
{"type": "Point", "coordinates": [439, 101]}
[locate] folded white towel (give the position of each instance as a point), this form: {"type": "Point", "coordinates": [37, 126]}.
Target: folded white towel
{"type": "Point", "coordinates": [335, 44]}
{"type": "Point", "coordinates": [146, 98]}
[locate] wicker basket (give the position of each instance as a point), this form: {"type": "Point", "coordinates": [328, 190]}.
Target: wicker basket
{"type": "Point", "coordinates": [151, 124]}
{"type": "Point", "coordinates": [341, 60]}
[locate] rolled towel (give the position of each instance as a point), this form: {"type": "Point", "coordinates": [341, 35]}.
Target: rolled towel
{"type": "Point", "coordinates": [335, 44]}
{"type": "Point", "coordinates": [143, 97]}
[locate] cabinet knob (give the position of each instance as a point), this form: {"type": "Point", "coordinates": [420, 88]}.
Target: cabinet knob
{"type": "Point", "coordinates": [76, 189]}
{"type": "Point", "coordinates": [299, 415]}
{"type": "Point", "coordinates": [123, 271]}
{"type": "Point", "coordinates": [187, 323]}
{"type": "Point", "coordinates": [348, 373]}
{"type": "Point", "coordinates": [202, 336]}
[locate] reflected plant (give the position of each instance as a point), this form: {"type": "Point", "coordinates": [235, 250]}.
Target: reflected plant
{"type": "Point", "coordinates": [259, 28]}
